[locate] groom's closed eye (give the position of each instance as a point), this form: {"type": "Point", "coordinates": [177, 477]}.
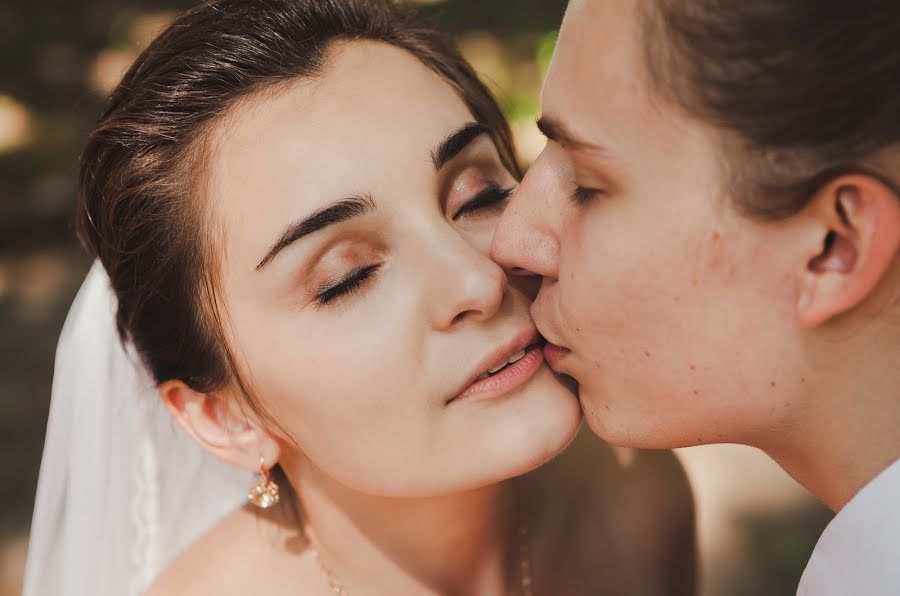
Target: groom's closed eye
{"type": "Point", "coordinates": [582, 195]}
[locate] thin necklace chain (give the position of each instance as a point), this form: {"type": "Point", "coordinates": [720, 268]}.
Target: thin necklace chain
{"type": "Point", "coordinates": [524, 561]}
{"type": "Point", "coordinates": [525, 579]}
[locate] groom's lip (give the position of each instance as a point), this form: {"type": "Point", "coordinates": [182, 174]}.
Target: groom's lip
{"type": "Point", "coordinates": [555, 354]}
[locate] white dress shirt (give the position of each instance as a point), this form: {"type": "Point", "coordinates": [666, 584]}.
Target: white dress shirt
{"type": "Point", "coordinates": [859, 552]}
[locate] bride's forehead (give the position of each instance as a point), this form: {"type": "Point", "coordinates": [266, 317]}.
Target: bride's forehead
{"type": "Point", "coordinates": [375, 110]}
{"type": "Point", "coordinates": [369, 95]}
{"type": "Point", "coordinates": [367, 125]}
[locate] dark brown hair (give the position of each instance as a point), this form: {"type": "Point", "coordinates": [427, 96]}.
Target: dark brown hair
{"type": "Point", "coordinates": [142, 211]}
{"type": "Point", "coordinates": [803, 89]}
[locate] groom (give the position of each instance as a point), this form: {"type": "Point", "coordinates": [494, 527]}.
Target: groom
{"type": "Point", "coordinates": [716, 220]}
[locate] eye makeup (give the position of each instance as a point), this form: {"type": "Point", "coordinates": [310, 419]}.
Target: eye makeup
{"type": "Point", "coordinates": [342, 268]}
{"type": "Point", "coordinates": [478, 186]}
{"type": "Point", "coordinates": [346, 285]}
{"type": "Point", "coordinates": [492, 198]}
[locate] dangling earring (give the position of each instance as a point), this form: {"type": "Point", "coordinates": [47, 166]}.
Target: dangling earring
{"type": "Point", "coordinates": [265, 493]}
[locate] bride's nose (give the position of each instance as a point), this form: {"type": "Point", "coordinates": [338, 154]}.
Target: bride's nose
{"type": "Point", "coordinates": [466, 284]}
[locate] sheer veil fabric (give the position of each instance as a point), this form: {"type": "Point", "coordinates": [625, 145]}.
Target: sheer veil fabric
{"type": "Point", "coordinates": [122, 490]}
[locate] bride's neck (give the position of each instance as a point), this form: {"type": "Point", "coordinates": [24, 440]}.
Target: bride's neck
{"type": "Point", "coordinates": [455, 544]}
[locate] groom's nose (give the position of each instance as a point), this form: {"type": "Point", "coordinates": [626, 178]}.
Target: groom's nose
{"type": "Point", "coordinates": [527, 238]}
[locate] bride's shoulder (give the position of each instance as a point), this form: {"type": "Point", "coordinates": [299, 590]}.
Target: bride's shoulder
{"type": "Point", "coordinates": [233, 558]}
{"type": "Point", "coordinates": [212, 565]}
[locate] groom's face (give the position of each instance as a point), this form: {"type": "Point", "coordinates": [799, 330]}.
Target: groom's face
{"type": "Point", "coordinates": [670, 308]}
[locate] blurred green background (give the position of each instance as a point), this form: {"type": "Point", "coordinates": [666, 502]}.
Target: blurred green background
{"type": "Point", "coordinates": [58, 61]}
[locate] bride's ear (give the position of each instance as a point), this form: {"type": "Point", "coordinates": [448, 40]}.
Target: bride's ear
{"type": "Point", "coordinates": [853, 234]}
{"type": "Point", "coordinates": [216, 422]}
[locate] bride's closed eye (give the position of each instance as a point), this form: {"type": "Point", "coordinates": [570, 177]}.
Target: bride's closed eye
{"type": "Point", "coordinates": [492, 198]}
{"type": "Point", "coordinates": [346, 285]}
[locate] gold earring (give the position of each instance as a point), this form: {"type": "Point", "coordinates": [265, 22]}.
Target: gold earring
{"type": "Point", "coordinates": [265, 493]}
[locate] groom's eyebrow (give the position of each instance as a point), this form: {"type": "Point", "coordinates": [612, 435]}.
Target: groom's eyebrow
{"type": "Point", "coordinates": [557, 132]}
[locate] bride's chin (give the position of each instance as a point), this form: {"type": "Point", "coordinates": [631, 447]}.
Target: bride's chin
{"type": "Point", "coordinates": [547, 421]}
{"type": "Point", "coordinates": [511, 437]}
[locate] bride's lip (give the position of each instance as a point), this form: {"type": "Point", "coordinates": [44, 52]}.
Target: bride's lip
{"type": "Point", "coordinates": [512, 376]}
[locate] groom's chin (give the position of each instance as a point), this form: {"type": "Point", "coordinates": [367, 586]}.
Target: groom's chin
{"type": "Point", "coordinates": [620, 425]}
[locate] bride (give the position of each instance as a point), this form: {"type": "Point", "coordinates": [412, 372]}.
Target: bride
{"type": "Point", "coordinates": [294, 202]}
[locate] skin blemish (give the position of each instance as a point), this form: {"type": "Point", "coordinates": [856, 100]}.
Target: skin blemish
{"type": "Point", "coordinates": [693, 367]}
{"type": "Point", "coordinates": [646, 353]}
{"type": "Point", "coordinates": [696, 392]}
{"type": "Point", "coordinates": [771, 383]}
{"type": "Point", "coordinates": [715, 257]}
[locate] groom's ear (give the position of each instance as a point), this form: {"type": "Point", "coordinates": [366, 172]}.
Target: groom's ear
{"type": "Point", "coordinates": [215, 421]}
{"type": "Point", "coordinates": [853, 234]}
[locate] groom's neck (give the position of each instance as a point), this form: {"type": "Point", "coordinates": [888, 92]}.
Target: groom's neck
{"type": "Point", "coordinates": [842, 438]}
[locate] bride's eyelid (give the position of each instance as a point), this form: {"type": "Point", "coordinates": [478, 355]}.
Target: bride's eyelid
{"type": "Point", "coordinates": [341, 272]}
{"type": "Point", "coordinates": [492, 196]}
{"type": "Point", "coordinates": [482, 184]}
{"type": "Point", "coordinates": [332, 292]}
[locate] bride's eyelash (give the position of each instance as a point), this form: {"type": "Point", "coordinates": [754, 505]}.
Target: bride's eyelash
{"type": "Point", "coordinates": [346, 285]}
{"type": "Point", "coordinates": [492, 196]}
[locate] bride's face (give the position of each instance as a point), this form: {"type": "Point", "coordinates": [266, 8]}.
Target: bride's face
{"type": "Point", "coordinates": [357, 213]}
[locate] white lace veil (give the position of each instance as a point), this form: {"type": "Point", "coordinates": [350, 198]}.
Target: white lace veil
{"type": "Point", "coordinates": [122, 490]}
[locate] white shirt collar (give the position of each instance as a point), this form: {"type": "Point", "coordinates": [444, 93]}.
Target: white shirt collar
{"type": "Point", "coordinates": [859, 552]}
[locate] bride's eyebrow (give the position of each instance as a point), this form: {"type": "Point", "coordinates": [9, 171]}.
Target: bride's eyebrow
{"type": "Point", "coordinates": [456, 142]}
{"type": "Point", "coordinates": [338, 212]}
{"type": "Point", "coordinates": [356, 206]}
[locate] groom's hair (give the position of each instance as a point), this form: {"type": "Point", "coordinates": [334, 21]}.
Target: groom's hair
{"type": "Point", "coordinates": [802, 90]}
{"type": "Point", "coordinates": [143, 210]}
